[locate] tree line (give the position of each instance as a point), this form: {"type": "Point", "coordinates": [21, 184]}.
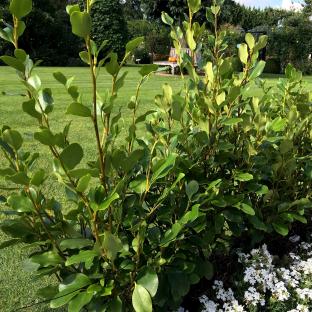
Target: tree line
{"type": "Point", "coordinates": [48, 29]}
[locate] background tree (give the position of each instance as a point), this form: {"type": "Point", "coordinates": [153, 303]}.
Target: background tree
{"type": "Point", "coordinates": [108, 23]}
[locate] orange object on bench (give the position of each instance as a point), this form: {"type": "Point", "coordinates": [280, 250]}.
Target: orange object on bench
{"type": "Point", "coordinates": [172, 59]}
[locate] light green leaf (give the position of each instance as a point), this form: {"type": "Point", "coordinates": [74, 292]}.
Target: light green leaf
{"type": "Point", "coordinates": [147, 69]}
{"type": "Point", "coordinates": [281, 229]}
{"type": "Point", "coordinates": [245, 208]}
{"type": "Point", "coordinates": [20, 203]}
{"type": "Point", "coordinates": [244, 177]}
{"type": "Point", "coordinates": [13, 138]}
{"type": "Point", "coordinates": [250, 39]}
{"type": "Point", "coordinates": [46, 259]}
{"type": "Point", "coordinates": [149, 280]}
{"type": "Point", "coordinates": [83, 256]}
{"type": "Point", "coordinates": [72, 8]}
{"type": "Point", "coordinates": [81, 24]}
{"type": "Point", "coordinates": [194, 5]}
{"type": "Point", "coordinates": [258, 70]}
{"type": "Point", "coordinates": [232, 121]}
{"type": "Point", "coordinates": [13, 62]}
{"type": "Point", "coordinates": [243, 53]}
{"type": "Point", "coordinates": [141, 299]}
{"type": "Point", "coordinates": [166, 19]}
{"type": "Point", "coordinates": [20, 8]}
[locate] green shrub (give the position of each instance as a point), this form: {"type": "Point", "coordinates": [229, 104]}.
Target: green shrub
{"type": "Point", "coordinates": [272, 66]}
{"type": "Point", "coordinates": [213, 164]}
{"type": "Point", "coordinates": [141, 55]}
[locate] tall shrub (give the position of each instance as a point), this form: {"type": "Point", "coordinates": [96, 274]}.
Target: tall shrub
{"type": "Point", "coordinates": [214, 165]}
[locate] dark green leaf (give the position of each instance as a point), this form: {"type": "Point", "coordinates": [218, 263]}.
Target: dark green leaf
{"type": "Point", "coordinates": [20, 8]}
{"type": "Point", "coordinates": [20, 203]}
{"type": "Point", "coordinates": [72, 155]}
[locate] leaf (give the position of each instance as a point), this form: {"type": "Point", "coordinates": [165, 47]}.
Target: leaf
{"type": "Point", "coordinates": [13, 138]}
{"type": "Point", "coordinates": [194, 5]}
{"type": "Point", "coordinates": [19, 178]}
{"type": "Point", "coordinates": [278, 124]}
{"type": "Point", "coordinates": [112, 245]}
{"type": "Point", "coordinates": [72, 155]}
{"type": "Point", "coordinates": [191, 189]}
{"type": "Point", "coordinates": [250, 39]}
{"type": "Point", "coordinates": [108, 201]}
{"type": "Point", "coordinates": [164, 169]}
{"type": "Point", "coordinates": [281, 228]}
{"type": "Point", "coordinates": [147, 69]}
{"type": "Point", "coordinates": [38, 177]}
{"type": "Point", "coordinates": [69, 288]}
{"type": "Point", "coordinates": [20, 54]}
{"type": "Point", "coordinates": [29, 107]}
{"type": "Point", "coordinates": [258, 70]}
{"type": "Point", "coordinates": [60, 78]}
{"type": "Point", "coordinates": [245, 208]}
{"type": "Point", "coordinates": [243, 177]}
{"type": "Point", "coordinates": [83, 183]}
{"type": "Point", "coordinates": [83, 256]}
{"type": "Point", "coordinates": [75, 243]}
{"type": "Point", "coordinates": [112, 66]}
{"type": "Point", "coordinates": [20, 8]}
{"type": "Point", "coordinates": [84, 55]}
{"type": "Point", "coordinates": [115, 305]}
{"type": "Point", "coordinates": [46, 259]}
{"type": "Point", "coordinates": [78, 109]}
{"type": "Point", "coordinates": [72, 8]}
{"type": "Point", "coordinates": [232, 121]}
{"type": "Point", "coordinates": [20, 203]}
{"type": "Point", "coordinates": [190, 39]}
{"type": "Point", "coordinates": [133, 44]}
{"type": "Point", "coordinates": [13, 62]}
{"type": "Point", "coordinates": [166, 19]}
{"type": "Point", "coordinates": [81, 24]}
{"type": "Point", "coordinates": [171, 235]}
{"type": "Point", "coordinates": [45, 137]}
{"type": "Point", "coordinates": [243, 53]}
{"type": "Point", "coordinates": [46, 100]}
{"type": "Point", "coordinates": [141, 299]}
{"type": "Point", "coordinates": [35, 82]}
{"type": "Point", "coordinates": [149, 280]}
{"type": "Point", "coordinates": [81, 300]}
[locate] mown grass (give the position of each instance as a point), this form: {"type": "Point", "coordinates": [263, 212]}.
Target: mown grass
{"type": "Point", "coordinates": [18, 288]}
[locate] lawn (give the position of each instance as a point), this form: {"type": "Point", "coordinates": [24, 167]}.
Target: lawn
{"type": "Point", "coordinates": [18, 287]}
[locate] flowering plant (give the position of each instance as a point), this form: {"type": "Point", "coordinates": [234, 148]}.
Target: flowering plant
{"type": "Point", "coordinates": [267, 282]}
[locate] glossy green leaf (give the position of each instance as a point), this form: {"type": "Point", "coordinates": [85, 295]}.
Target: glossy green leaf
{"type": "Point", "coordinates": [13, 138]}
{"type": "Point", "coordinates": [45, 137]}
{"type": "Point", "coordinates": [194, 5]}
{"type": "Point", "coordinates": [81, 300]}
{"type": "Point", "coordinates": [108, 201]}
{"type": "Point", "coordinates": [13, 62]}
{"type": "Point", "coordinates": [72, 8]}
{"type": "Point", "coordinates": [49, 258]}
{"type": "Point", "coordinates": [245, 208]}
{"type": "Point", "coordinates": [141, 299]}
{"type": "Point", "coordinates": [20, 8]}
{"type": "Point", "coordinates": [243, 53]}
{"type": "Point", "coordinates": [20, 203]}
{"type": "Point", "coordinates": [72, 155]}
{"type": "Point", "coordinates": [84, 56]}
{"type": "Point", "coordinates": [166, 19]}
{"type": "Point", "coordinates": [258, 70]}
{"type": "Point", "coordinates": [164, 169]}
{"type": "Point", "coordinates": [149, 280]}
{"type": "Point", "coordinates": [83, 256]}
{"type": "Point", "coordinates": [281, 229]}
{"type": "Point", "coordinates": [69, 288]}
{"type": "Point", "coordinates": [250, 39]}
{"type": "Point", "coordinates": [232, 121]}
{"type": "Point", "coordinates": [81, 24]}
{"type": "Point", "coordinates": [19, 178]}
{"type": "Point", "coordinates": [244, 177]}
